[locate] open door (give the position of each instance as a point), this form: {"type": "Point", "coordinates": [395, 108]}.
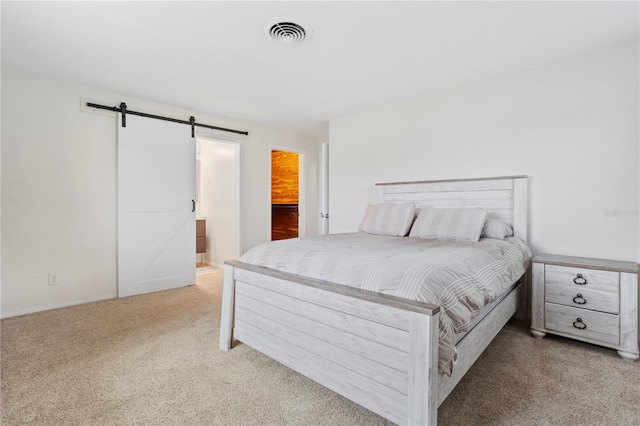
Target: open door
{"type": "Point", "coordinates": [285, 195]}
{"type": "Point", "coordinates": [156, 210]}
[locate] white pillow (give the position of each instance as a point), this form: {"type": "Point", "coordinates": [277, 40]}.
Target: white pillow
{"type": "Point", "coordinates": [458, 224]}
{"type": "Point", "coordinates": [494, 228]}
{"type": "Point", "coordinates": [393, 219]}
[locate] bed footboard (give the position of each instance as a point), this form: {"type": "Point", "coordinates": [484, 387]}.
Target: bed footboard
{"type": "Point", "coordinates": [376, 350]}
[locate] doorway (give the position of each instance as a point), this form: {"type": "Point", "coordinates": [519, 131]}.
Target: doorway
{"type": "Point", "coordinates": [217, 202]}
{"type": "Point", "coordinates": [287, 194]}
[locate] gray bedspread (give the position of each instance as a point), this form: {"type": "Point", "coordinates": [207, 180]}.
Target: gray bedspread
{"type": "Point", "coordinates": [460, 277]}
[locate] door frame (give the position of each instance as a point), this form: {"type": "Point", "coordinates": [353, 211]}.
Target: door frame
{"type": "Point", "coordinates": [323, 224]}
{"type": "Point", "coordinates": [237, 190]}
{"type": "Point", "coordinates": [302, 187]}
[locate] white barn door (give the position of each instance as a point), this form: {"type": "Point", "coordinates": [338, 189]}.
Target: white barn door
{"type": "Point", "coordinates": [156, 221]}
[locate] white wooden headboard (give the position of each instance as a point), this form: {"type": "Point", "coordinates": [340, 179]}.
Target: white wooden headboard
{"type": "Point", "coordinates": [504, 197]}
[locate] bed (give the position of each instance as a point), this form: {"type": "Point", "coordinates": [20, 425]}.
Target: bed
{"type": "Point", "coordinates": [379, 350]}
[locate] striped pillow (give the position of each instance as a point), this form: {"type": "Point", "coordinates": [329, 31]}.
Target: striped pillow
{"type": "Point", "coordinates": [393, 219]}
{"type": "Point", "coordinates": [459, 224]}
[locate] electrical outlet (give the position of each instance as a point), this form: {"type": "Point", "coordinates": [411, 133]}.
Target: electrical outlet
{"type": "Point", "coordinates": [54, 279]}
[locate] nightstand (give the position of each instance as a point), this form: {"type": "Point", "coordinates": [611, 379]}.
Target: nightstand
{"type": "Point", "coordinates": [592, 300]}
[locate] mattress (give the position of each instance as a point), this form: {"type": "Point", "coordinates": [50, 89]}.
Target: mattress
{"type": "Point", "coordinates": [460, 277]}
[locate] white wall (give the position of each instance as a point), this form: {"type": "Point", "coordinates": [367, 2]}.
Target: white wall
{"type": "Point", "coordinates": [571, 127]}
{"type": "Point", "coordinates": [218, 199]}
{"type": "Point", "coordinates": [59, 189]}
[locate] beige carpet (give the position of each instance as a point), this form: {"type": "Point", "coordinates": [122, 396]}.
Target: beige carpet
{"type": "Point", "coordinates": [153, 359]}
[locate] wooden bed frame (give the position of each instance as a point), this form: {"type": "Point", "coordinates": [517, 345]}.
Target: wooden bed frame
{"type": "Point", "coordinates": [377, 350]}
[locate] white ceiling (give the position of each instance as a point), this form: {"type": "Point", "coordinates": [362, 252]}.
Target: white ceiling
{"type": "Point", "coordinates": [213, 56]}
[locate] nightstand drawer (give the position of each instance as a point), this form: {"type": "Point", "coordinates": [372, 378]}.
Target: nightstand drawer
{"type": "Point", "coordinates": [582, 323]}
{"type": "Point", "coordinates": [583, 298]}
{"type": "Point", "coordinates": [582, 278]}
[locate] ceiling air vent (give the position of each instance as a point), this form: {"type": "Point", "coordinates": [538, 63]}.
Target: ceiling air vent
{"type": "Point", "coordinates": [287, 30]}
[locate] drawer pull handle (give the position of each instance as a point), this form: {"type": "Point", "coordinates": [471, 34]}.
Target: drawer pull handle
{"type": "Point", "coordinates": [579, 324]}
{"type": "Point", "coordinates": [579, 299]}
{"type": "Point", "coordinates": [580, 280]}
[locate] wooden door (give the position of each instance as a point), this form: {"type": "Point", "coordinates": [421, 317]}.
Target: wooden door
{"type": "Point", "coordinates": [285, 183]}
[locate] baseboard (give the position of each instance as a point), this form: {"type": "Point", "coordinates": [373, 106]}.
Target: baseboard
{"type": "Point", "coordinates": [34, 309]}
{"type": "Point", "coordinates": [215, 265]}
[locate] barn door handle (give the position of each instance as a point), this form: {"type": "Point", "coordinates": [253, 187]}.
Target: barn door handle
{"type": "Point", "coordinates": [193, 206]}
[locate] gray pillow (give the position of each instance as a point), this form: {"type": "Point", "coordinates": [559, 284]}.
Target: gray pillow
{"type": "Point", "coordinates": [497, 229]}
